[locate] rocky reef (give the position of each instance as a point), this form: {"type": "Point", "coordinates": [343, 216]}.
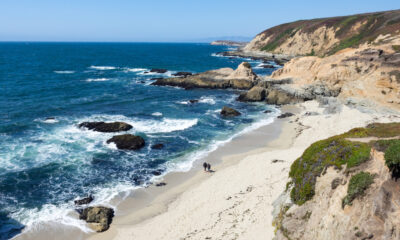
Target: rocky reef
{"type": "Point", "coordinates": [344, 187]}
{"type": "Point", "coordinates": [241, 78]}
{"type": "Point", "coordinates": [106, 127]}
{"type": "Point", "coordinates": [127, 141]}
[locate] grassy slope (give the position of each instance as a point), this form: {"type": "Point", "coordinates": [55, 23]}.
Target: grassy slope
{"type": "Point", "coordinates": [336, 151]}
{"type": "Point", "coordinates": [374, 25]}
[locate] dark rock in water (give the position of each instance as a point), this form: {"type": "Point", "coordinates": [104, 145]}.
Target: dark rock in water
{"type": "Point", "coordinates": [145, 72]}
{"type": "Point", "coordinates": [142, 81]}
{"type": "Point", "coordinates": [229, 112]}
{"type": "Point", "coordinates": [83, 201]}
{"type": "Point", "coordinates": [268, 111]}
{"type": "Point", "coordinates": [99, 218]}
{"type": "Point", "coordinates": [192, 101]}
{"type": "Point", "coordinates": [106, 127]}
{"type": "Point", "coordinates": [158, 70]}
{"type": "Point", "coordinates": [267, 66]}
{"type": "Point", "coordinates": [156, 172]}
{"type": "Point", "coordinates": [182, 74]}
{"type": "Point", "coordinates": [285, 115]}
{"type": "Point", "coordinates": [157, 146]}
{"type": "Point", "coordinates": [50, 118]}
{"type": "Point", "coordinates": [155, 79]}
{"type": "Point", "coordinates": [127, 141]}
{"type": "Point", "coordinates": [161, 184]}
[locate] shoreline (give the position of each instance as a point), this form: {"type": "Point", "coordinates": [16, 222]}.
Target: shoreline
{"type": "Point", "coordinates": [239, 198]}
{"type": "Point", "coordinates": [146, 202]}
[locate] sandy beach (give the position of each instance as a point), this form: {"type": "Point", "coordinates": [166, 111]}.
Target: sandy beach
{"type": "Point", "coordinates": [237, 200]}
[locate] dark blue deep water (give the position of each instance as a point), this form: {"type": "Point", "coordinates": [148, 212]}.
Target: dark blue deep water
{"type": "Point", "coordinates": [46, 164]}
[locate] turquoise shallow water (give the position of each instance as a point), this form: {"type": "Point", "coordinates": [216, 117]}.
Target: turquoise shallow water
{"type": "Point", "coordinates": [45, 164]}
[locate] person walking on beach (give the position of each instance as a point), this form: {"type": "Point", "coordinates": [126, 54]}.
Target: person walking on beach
{"type": "Point", "coordinates": [205, 166]}
{"type": "Point", "coordinates": [208, 167]}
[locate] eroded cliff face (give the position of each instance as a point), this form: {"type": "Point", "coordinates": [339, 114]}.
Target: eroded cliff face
{"type": "Point", "coordinates": [370, 72]}
{"type": "Point", "coordinates": [372, 216]}
{"type": "Point", "coordinates": [326, 36]}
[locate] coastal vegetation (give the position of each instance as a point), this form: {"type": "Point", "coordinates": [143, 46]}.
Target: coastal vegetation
{"type": "Point", "coordinates": [358, 184]}
{"type": "Point", "coordinates": [338, 151]}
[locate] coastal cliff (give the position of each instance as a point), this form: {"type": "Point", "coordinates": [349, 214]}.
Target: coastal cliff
{"type": "Point", "coordinates": [326, 36]}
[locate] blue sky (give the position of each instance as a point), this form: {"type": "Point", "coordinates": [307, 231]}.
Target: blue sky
{"type": "Point", "coordinates": [162, 20]}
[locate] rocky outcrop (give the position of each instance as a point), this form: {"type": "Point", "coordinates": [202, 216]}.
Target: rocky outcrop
{"type": "Point", "coordinates": [229, 112]}
{"type": "Point", "coordinates": [228, 43]}
{"type": "Point", "coordinates": [367, 73]}
{"type": "Point", "coordinates": [158, 70]}
{"type": "Point", "coordinates": [241, 78]}
{"type": "Point", "coordinates": [182, 74]}
{"type": "Point", "coordinates": [127, 142]}
{"type": "Point", "coordinates": [256, 94]}
{"type": "Point", "coordinates": [99, 218]}
{"type": "Point", "coordinates": [85, 200]}
{"type": "Point", "coordinates": [106, 127]}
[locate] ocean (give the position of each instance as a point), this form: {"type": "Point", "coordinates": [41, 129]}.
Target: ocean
{"type": "Point", "coordinates": [47, 89]}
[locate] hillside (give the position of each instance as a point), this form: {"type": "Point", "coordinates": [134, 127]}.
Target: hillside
{"type": "Point", "coordinates": [325, 36]}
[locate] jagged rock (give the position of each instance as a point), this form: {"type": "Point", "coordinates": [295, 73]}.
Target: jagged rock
{"type": "Point", "coordinates": [127, 141]}
{"type": "Point", "coordinates": [157, 146]}
{"type": "Point", "coordinates": [229, 112]}
{"type": "Point", "coordinates": [158, 70]}
{"type": "Point", "coordinates": [280, 97]}
{"type": "Point", "coordinates": [83, 201]}
{"type": "Point", "coordinates": [241, 78]}
{"type": "Point", "coordinates": [106, 127]}
{"type": "Point", "coordinates": [99, 218]}
{"type": "Point", "coordinates": [255, 94]}
{"type": "Point", "coordinates": [285, 115]}
{"type": "Point", "coordinates": [182, 74]}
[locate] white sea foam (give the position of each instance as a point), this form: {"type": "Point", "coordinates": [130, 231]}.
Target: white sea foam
{"type": "Point", "coordinates": [135, 69]}
{"type": "Point", "coordinates": [102, 67]}
{"type": "Point", "coordinates": [164, 126]}
{"type": "Point", "coordinates": [208, 100]}
{"type": "Point", "coordinates": [97, 79]}
{"type": "Point", "coordinates": [157, 114]}
{"type": "Point", "coordinates": [64, 72]}
{"type": "Point", "coordinates": [186, 163]}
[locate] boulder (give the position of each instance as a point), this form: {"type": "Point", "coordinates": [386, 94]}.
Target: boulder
{"type": "Point", "coordinates": [127, 141]}
{"type": "Point", "coordinates": [157, 146]}
{"type": "Point", "coordinates": [182, 74]}
{"type": "Point", "coordinates": [229, 112]}
{"type": "Point", "coordinates": [161, 184]}
{"type": "Point", "coordinates": [285, 115]}
{"type": "Point", "coordinates": [158, 70]}
{"type": "Point", "coordinates": [255, 94]}
{"type": "Point", "coordinates": [83, 201]}
{"type": "Point", "coordinates": [192, 101]}
{"type": "Point", "coordinates": [106, 127]}
{"type": "Point", "coordinates": [156, 172]}
{"type": "Point", "coordinates": [99, 218]}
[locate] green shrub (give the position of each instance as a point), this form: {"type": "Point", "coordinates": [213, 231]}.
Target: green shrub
{"type": "Point", "coordinates": [392, 157]}
{"type": "Point", "coordinates": [357, 186]}
{"type": "Point", "coordinates": [334, 151]}
{"type": "Point", "coordinates": [396, 48]}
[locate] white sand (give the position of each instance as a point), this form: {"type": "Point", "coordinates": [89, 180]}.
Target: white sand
{"type": "Point", "coordinates": [236, 201]}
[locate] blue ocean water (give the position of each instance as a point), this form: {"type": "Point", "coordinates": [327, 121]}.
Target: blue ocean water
{"type": "Point", "coordinates": [46, 164]}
